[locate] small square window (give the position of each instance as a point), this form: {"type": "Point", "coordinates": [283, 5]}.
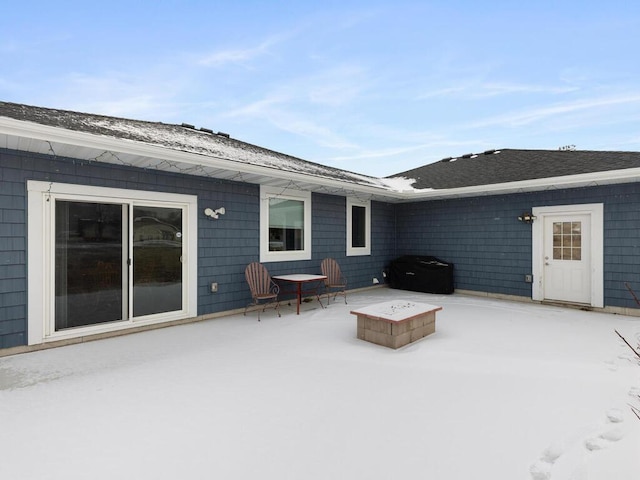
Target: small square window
{"type": "Point", "coordinates": [285, 225]}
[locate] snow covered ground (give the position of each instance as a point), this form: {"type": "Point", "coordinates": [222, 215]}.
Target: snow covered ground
{"type": "Point", "coordinates": [501, 391]}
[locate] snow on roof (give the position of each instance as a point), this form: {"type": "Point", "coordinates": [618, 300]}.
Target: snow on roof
{"type": "Point", "coordinates": [402, 184]}
{"type": "Point", "coordinates": [186, 149]}
{"type": "Point", "coordinates": [183, 138]}
{"type": "Point", "coordinates": [514, 165]}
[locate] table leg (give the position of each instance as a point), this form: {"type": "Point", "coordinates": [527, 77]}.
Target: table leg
{"type": "Point", "coordinates": [299, 298]}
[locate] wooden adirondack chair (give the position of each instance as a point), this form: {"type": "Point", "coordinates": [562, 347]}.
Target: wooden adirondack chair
{"type": "Point", "coordinates": [263, 288]}
{"type": "Point", "coordinates": [336, 283]}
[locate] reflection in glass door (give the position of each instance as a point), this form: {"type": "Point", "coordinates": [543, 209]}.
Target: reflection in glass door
{"type": "Point", "coordinates": [157, 260]}
{"type": "Point", "coordinates": [89, 264]}
{"type": "Point", "coordinates": [92, 248]}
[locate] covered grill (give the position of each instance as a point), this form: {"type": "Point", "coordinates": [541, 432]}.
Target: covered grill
{"type": "Point", "coordinates": [421, 274]}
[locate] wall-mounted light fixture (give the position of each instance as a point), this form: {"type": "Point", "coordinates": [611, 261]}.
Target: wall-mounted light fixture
{"type": "Point", "coordinates": [209, 212]}
{"type": "Point", "coordinates": [527, 217]}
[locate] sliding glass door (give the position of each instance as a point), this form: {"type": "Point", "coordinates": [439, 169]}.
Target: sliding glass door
{"type": "Point", "coordinates": [115, 262]}
{"type": "Point", "coordinates": [90, 273]}
{"type": "Point", "coordinates": [157, 260]}
{"type": "Point", "coordinates": [105, 259]}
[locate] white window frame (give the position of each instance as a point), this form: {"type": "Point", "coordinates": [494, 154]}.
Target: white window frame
{"type": "Point", "coordinates": [366, 250]}
{"type": "Point", "coordinates": [40, 250]}
{"type": "Point", "coordinates": [266, 193]}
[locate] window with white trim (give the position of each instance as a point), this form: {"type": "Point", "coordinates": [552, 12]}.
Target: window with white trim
{"type": "Point", "coordinates": [285, 224]}
{"type": "Point", "coordinates": [358, 227]}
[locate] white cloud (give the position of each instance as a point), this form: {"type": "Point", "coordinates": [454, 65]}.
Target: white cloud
{"type": "Point", "coordinates": [493, 89]}
{"type": "Point", "coordinates": [518, 119]}
{"type": "Point", "coordinates": [335, 87]}
{"type": "Point", "coordinates": [275, 110]}
{"type": "Point", "coordinates": [379, 153]}
{"type": "Point", "coordinates": [241, 56]}
{"type": "Point", "coordinates": [313, 106]}
{"type": "Point", "coordinates": [386, 161]}
{"type": "Point", "coordinates": [320, 134]}
{"type": "Point", "coordinates": [149, 96]}
{"type": "Point", "coordinates": [260, 108]}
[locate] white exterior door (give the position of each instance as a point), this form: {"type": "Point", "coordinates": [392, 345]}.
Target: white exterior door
{"type": "Point", "coordinates": [567, 266]}
{"type": "Point", "coordinates": [568, 254]}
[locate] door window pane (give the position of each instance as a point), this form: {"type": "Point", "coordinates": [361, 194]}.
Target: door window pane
{"type": "Point", "coordinates": [157, 260]}
{"type": "Point", "coordinates": [88, 264]}
{"type": "Point", "coordinates": [567, 240]}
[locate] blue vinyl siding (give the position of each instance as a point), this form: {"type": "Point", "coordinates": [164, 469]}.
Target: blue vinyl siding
{"type": "Point", "coordinates": [13, 274]}
{"type": "Point", "coordinates": [225, 245]}
{"type": "Point", "coordinates": [491, 249]}
{"type": "Point", "coordinates": [330, 240]}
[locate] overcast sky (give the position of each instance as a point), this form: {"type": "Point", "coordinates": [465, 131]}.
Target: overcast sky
{"type": "Point", "coordinates": [376, 87]}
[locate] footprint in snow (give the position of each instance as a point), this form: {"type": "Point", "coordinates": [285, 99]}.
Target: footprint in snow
{"type": "Point", "coordinates": [541, 470]}
{"type": "Point", "coordinates": [608, 434]}
{"type": "Point", "coordinates": [615, 415]}
{"type": "Point", "coordinates": [612, 432]}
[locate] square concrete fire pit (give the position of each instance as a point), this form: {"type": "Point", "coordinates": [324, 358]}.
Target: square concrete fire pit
{"type": "Point", "coordinates": [396, 323]}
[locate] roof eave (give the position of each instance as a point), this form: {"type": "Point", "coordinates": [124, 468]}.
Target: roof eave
{"type": "Point", "coordinates": [44, 139]}
{"type": "Point", "coordinates": [20, 135]}
{"type": "Point", "coordinates": [552, 183]}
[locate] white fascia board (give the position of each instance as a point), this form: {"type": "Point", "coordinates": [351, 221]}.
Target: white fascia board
{"type": "Point", "coordinates": [552, 183]}
{"type": "Point", "coordinates": [100, 144]}
{"type": "Point", "coordinates": [45, 133]}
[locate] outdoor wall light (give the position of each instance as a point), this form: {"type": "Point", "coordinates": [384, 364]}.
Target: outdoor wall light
{"type": "Point", "coordinates": [209, 212]}
{"type": "Point", "coordinates": [527, 217]}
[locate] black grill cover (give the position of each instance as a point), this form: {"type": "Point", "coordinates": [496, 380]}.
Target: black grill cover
{"type": "Point", "coordinates": [421, 274]}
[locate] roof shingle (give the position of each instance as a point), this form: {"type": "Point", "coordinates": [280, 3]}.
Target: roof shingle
{"type": "Point", "coordinates": [511, 165]}
{"type": "Point", "coordinates": [184, 138]}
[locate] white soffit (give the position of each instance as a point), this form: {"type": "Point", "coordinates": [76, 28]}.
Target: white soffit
{"type": "Point", "coordinates": [42, 139]}
{"type": "Point", "coordinates": [53, 141]}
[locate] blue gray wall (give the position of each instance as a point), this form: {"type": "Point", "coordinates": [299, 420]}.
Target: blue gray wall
{"type": "Point", "coordinates": [225, 246]}
{"type": "Point", "coordinates": [491, 249]}
{"type": "Point", "coordinates": [330, 240]}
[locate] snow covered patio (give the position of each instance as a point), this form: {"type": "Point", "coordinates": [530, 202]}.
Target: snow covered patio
{"type": "Point", "coordinates": [501, 390]}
